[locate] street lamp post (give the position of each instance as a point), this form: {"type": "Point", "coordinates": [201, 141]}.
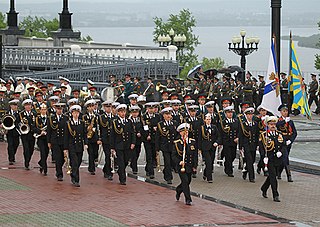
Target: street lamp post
{"type": "Point", "coordinates": [171, 38]}
{"type": "Point", "coordinates": [244, 46]}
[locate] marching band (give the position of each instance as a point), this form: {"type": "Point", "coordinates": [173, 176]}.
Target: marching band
{"type": "Point", "coordinates": [195, 125]}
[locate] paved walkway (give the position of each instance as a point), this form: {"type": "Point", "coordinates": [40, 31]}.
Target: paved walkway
{"type": "Point", "coordinates": [30, 199]}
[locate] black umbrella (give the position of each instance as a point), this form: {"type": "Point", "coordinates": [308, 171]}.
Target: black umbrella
{"type": "Point", "coordinates": [192, 72]}
{"type": "Point", "coordinates": [211, 73]}
{"type": "Point", "coordinates": [235, 68]}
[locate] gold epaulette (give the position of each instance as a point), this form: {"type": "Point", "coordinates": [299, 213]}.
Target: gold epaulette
{"type": "Point", "coordinates": [177, 141]}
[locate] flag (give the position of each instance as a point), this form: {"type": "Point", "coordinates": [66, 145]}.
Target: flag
{"type": "Point", "coordinates": [300, 100]}
{"type": "Point", "coordinates": [271, 99]}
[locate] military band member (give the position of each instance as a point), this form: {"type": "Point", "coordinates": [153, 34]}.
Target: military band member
{"type": "Point", "coordinates": [137, 88]}
{"type": "Point", "coordinates": [150, 90]}
{"type": "Point", "coordinates": [139, 131]}
{"type": "Point", "coordinates": [184, 157]}
{"type": "Point", "coordinates": [313, 90]}
{"type": "Point", "coordinates": [63, 96]}
{"type": "Point", "coordinates": [165, 135]}
{"type": "Point", "coordinates": [92, 94]}
{"type": "Point", "coordinates": [202, 108]}
{"type": "Point", "coordinates": [238, 95]}
{"type": "Point", "coordinates": [39, 101]}
{"type": "Point", "coordinates": [132, 100]}
{"type": "Point", "coordinates": [13, 136]}
{"type": "Point", "coordinates": [288, 130]}
{"type": "Point", "coordinates": [261, 120]}
{"type": "Point", "coordinates": [9, 91]}
{"type": "Point", "coordinates": [20, 85]}
{"type": "Point", "coordinates": [91, 122]}
{"type": "Point", "coordinates": [40, 132]}
{"type": "Point", "coordinates": [114, 106]}
{"type": "Point", "coordinates": [75, 142]}
{"type": "Point", "coordinates": [273, 143]}
{"type": "Point", "coordinates": [164, 95]}
{"type": "Point", "coordinates": [248, 142]}
{"type": "Point", "coordinates": [105, 125]}
{"type": "Point", "coordinates": [3, 103]}
{"type": "Point", "coordinates": [229, 130]}
{"type": "Point", "coordinates": [56, 134]}
{"type": "Point", "coordinates": [122, 141]}
{"type": "Point", "coordinates": [210, 108]}
{"type": "Point", "coordinates": [30, 94]}
{"type": "Point", "coordinates": [27, 117]}
{"type": "Point", "coordinates": [208, 142]}
{"type": "Point", "coordinates": [176, 115]}
{"type": "Point", "coordinates": [52, 101]}
{"type": "Point", "coordinates": [76, 94]}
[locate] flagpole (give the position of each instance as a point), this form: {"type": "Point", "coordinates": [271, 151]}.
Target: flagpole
{"type": "Point", "coordinates": [290, 98]}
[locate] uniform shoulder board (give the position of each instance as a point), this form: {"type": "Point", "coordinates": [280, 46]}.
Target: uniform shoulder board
{"type": "Point", "coordinates": [240, 115]}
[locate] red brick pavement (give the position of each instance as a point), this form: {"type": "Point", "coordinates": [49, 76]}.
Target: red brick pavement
{"type": "Point", "coordinates": [135, 204]}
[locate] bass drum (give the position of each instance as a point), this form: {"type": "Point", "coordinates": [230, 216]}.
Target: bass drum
{"type": "Point", "coordinates": [108, 93]}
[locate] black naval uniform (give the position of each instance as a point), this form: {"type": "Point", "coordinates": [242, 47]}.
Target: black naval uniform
{"type": "Point", "coordinates": [13, 138]}
{"type": "Point", "coordinates": [105, 125]}
{"type": "Point", "coordinates": [208, 135]}
{"type": "Point", "coordinates": [93, 147]}
{"type": "Point", "coordinates": [74, 140]}
{"type": "Point", "coordinates": [166, 133]}
{"type": "Point", "coordinates": [150, 126]}
{"type": "Point", "coordinates": [28, 140]}
{"type": "Point", "coordinates": [272, 142]}
{"type": "Point", "coordinates": [248, 141]}
{"type": "Point", "coordinates": [40, 123]}
{"type": "Point", "coordinates": [138, 129]}
{"type": "Point", "coordinates": [229, 129]}
{"type": "Point", "coordinates": [56, 133]}
{"type": "Point", "coordinates": [121, 137]}
{"type": "Point", "coordinates": [289, 133]}
{"type": "Point", "coordinates": [190, 164]}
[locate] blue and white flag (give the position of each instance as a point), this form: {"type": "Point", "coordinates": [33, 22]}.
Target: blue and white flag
{"type": "Point", "coordinates": [271, 99]}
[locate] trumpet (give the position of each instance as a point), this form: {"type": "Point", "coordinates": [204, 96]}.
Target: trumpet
{"type": "Point", "coordinates": [112, 157]}
{"type": "Point", "coordinates": [67, 163]}
{"type": "Point", "coordinates": [43, 132]}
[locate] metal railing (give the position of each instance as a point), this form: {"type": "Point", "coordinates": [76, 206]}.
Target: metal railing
{"type": "Point", "coordinates": [158, 70]}
{"type": "Point", "coordinates": [26, 58]}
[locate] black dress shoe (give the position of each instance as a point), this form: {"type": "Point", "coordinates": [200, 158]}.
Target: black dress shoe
{"type": "Point", "coordinates": [45, 173]}
{"type": "Point", "coordinates": [41, 169]}
{"type": "Point", "coordinates": [110, 178]}
{"type": "Point", "coordinates": [252, 181]}
{"type": "Point", "coordinates": [123, 183]}
{"type": "Point", "coordinates": [210, 181]}
{"type": "Point", "coordinates": [264, 194]}
{"type": "Point", "coordinates": [73, 181]}
{"type": "Point", "coordinates": [151, 176]}
{"type": "Point", "coordinates": [204, 178]}
{"type": "Point", "coordinates": [27, 168]}
{"type": "Point", "coordinates": [60, 179]}
{"type": "Point", "coordinates": [244, 175]}
{"type": "Point", "coordinates": [188, 202]}
{"type": "Point", "coordinates": [105, 175]}
{"type": "Point", "coordinates": [258, 171]}
{"type": "Point", "coordinates": [279, 177]}
{"type": "Point", "coordinates": [10, 163]}
{"type": "Point", "coordinates": [147, 174]}
{"type": "Point", "coordinates": [169, 182]}
{"type": "Point", "coordinates": [77, 185]}
{"type": "Point", "coordinates": [290, 179]}
{"type": "Point", "coordinates": [177, 196]}
{"type": "Point", "coordinates": [92, 173]}
{"type": "Point", "coordinates": [194, 175]}
{"type": "Point", "coordinates": [230, 175]}
{"type": "Point", "coordinates": [276, 199]}
{"type": "Point", "coordinates": [135, 172]}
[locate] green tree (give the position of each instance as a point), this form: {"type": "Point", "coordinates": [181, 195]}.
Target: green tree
{"type": "Point", "coordinates": [39, 26]}
{"type": "Point", "coordinates": [207, 63]}
{"type": "Point", "coordinates": [3, 23]}
{"type": "Point", "coordinates": [317, 60]}
{"type": "Point", "coordinates": [183, 24]}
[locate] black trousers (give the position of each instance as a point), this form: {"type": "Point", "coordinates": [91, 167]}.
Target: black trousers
{"type": "Point", "coordinates": [134, 157]}
{"type": "Point", "coordinates": [209, 156]}
{"type": "Point", "coordinates": [285, 160]}
{"type": "Point", "coordinates": [75, 162]}
{"type": "Point", "coordinates": [93, 155]}
{"type": "Point", "coordinates": [167, 170]}
{"type": "Point", "coordinates": [271, 180]}
{"type": "Point", "coordinates": [313, 98]}
{"type": "Point", "coordinates": [59, 156]}
{"type": "Point", "coordinates": [44, 152]}
{"type": "Point", "coordinates": [229, 153]}
{"type": "Point", "coordinates": [250, 155]}
{"type": "Point", "coordinates": [123, 157]}
{"type": "Point", "coordinates": [150, 154]}
{"type": "Point", "coordinates": [184, 185]}
{"type": "Point", "coordinates": [107, 161]}
{"type": "Point", "coordinates": [262, 153]}
{"type": "Point", "coordinates": [13, 144]}
{"type": "Point", "coordinates": [28, 148]}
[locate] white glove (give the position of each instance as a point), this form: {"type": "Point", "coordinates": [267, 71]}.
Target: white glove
{"type": "Point", "coordinates": [263, 118]}
{"type": "Point", "coordinates": [215, 144]}
{"type": "Point", "coordinates": [287, 119]}
{"type": "Point", "coordinates": [279, 154]}
{"type": "Point", "coordinates": [288, 142]}
{"type": "Point", "coordinates": [265, 160]}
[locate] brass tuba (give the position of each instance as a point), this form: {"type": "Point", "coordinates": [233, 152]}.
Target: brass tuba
{"type": "Point", "coordinates": [8, 121]}
{"type": "Point", "coordinates": [23, 128]}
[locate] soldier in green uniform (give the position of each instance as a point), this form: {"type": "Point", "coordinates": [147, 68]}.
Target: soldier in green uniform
{"type": "Point", "coordinates": [284, 88]}
{"type": "Point", "coordinates": [313, 89]}
{"type": "Point", "coordinates": [137, 89]}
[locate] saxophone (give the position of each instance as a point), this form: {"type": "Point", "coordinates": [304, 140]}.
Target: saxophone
{"type": "Point", "coordinates": [91, 129]}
